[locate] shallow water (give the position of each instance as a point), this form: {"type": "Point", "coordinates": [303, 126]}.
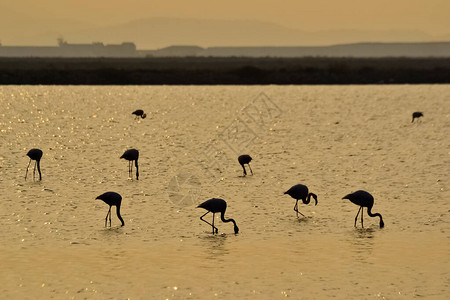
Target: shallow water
{"type": "Point", "coordinates": [334, 139]}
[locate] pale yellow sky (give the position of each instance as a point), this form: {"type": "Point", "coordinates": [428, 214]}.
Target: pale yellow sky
{"type": "Point", "coordinates": [429, 16]}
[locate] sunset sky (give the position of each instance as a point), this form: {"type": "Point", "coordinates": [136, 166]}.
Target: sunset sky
{"type": "Point", "coordinates": [427, 16]}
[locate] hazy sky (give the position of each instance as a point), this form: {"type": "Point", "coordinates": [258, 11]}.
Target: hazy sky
{"type": "Point", "coordinates": [430, 16]}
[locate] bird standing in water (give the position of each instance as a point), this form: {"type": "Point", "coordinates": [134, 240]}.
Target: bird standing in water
{"type": "Point", "coordinates": [298, 192]}
{"type": "Point", "coordinates": [130, 155]}
{"type": "Point", "coordinates": [363, 199]}
{"type": "Point", "coordinates": [416, 115]}
{"type": "Point", "coordinates": [139, 113]}
{"type": "Point", "coordinates": [216, 205]}
{"type": "Point", "coordinates": [112, 199]}
{"type": "Point", "coordinates": [245, 159]}
{"type": "Point", "coordinates": [36, 155]}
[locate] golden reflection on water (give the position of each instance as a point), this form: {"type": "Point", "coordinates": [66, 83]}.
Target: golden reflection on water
{"type": "Point", "coordinates": [335, 139]}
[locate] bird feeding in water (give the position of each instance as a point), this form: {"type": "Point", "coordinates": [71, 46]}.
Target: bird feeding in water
{"type": "Point", "coordinates": [139, 113]}
{"type": "Point", "coordinates": [298, 192]}
{"type": "Point", "coordinates": [363, 199]}
{"type": "Point", "coordinates": [416, 115]}
{"type": "Point", "coordinates": [112, 199]}
{"type": "Point", "coordinates": [216, 205]}
{"type": "Point", "coordinates": [132, 155]}
{"type": "Point", "coordinates": [245, 159]}
{"type": "Point", "coordinates": [36, 155]}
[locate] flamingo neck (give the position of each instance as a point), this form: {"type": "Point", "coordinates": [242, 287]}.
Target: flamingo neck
{"type": "Point", "coordinates": [118, 215]}
{"type": "Point", "coordinates": [137, 168]}
{"type": "Point", "coordinates": [222, 217]}
{"type": "Point", "coordinates": [38, 163]}
{"type": "Point", "coordinates": [369, 212]}
{"type": "Point", "coordinates": [308, 199]}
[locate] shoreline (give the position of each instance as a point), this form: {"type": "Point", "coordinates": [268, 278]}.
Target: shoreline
{"type": "Point", "coordinates": [223, 71]}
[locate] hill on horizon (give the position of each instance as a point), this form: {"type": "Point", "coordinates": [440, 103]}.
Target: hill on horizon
{"type": "Point", "coordinates": [154, 33]}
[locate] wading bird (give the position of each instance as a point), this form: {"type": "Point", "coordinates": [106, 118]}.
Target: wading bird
{"type": "Point", "coordinates": [298, 192]}
{"type": "Point", "coordinates": [112, 199]}
{"type": "Point", "coordinates": [139, 113]}
{"type": "Point", "coordinates": [35, 154]}
{"type": "Point", "coordinates": [416, 115]}
{"type": "Point", "coordinates": [216, 205]}
{"type": "Point", "coordinates": [130, 155]}
{"type": "Point", "coordinates": [363, 199]}
{"type": "Point", "coordinates": [245, 159]}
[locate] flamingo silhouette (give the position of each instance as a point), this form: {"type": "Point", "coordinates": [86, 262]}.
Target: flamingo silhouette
{"type": "Point", "coordinates": [298, 192]}
{"type": "Point", "coordinates": [112, 199]}
{"type": "Point", "coordinates": [35, 154]}
{"type": "Point", "coordinates": [130, 155]}
{"type": "Point", "coordinates": [216, 205]}
{"type": "Point", "coordinates": [139, 113]}
{"type": "Point", "coordinates": [245, 159]}
{"type": "Point", "coordinates": [363, 199]}
{"type": "Point", "coordinates": [416, 115]}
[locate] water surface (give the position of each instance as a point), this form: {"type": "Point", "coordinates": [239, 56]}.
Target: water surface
{"type": "Point", "coordinates": [334, 139]}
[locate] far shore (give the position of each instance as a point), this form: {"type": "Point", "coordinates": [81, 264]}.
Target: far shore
{"type": "Point", "coordinates": [223, 71]}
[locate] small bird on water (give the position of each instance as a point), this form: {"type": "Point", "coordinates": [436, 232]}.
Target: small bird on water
{"type": "Point", "coordinates": [112, 199]}
{"type": "Point", "coordinates": [130, 155]}
{"type": "Point", "coordinates": [216, 205]}
{"type": "Point", "coordinates": [363, 199]}
{"type": "Point", "coordinates": [139, 113]}
{"type": "Point", "coordinates": [416, 115]}
{"type": "Point", "coordinates": [36, 155]}
{"type": "Point", "coordinates": [245, 159]}
{"type": "Point", "coordinates": [298, 192]}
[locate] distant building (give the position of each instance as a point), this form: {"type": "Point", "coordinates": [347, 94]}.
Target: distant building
{"type": "Point", "coordinates": [65, 49]}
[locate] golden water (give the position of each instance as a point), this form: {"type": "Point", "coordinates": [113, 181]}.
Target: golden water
{"type": "Point", "coordinates": [334, 139]}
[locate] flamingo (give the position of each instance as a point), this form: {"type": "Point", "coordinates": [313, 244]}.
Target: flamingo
{"type": "Point", "coordinates": [416, 115]}
{"type": "Point", "coordinates": [130, 155]}
{"type": "Point", "coordinates": [35, 154]}
{"type": "Point", "coordinates": [363, 199]}
{"type": "Point", "coordinates": [112, 199]}
{"type": "Point", "coordinates": [216, 205]}
{"type": "Point", "coordinates": [298, 192]}
{"type": "Point", "coordinates": [139, 113]}
{"type": "Point", "coordinates": [245, 159]}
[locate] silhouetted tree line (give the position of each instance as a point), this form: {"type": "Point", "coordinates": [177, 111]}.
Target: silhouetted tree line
{"type": "Point", "coordinates": [231, 70]}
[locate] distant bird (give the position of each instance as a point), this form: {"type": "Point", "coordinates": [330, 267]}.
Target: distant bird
{"type": "Point", "coordinates": [35, 154]}
{"type": "Point", "coordinates": [298, 192]}
{"type": "Point", "coordinates": [363, 199]}
{"type": "Point", "coordinates": [416, 115]}
{"type": "Point", "coordinates": [216, 205]}
{"type": "Point", "coordinates": [139, 113]}
{"type": "Point", "coordinates": [130, 155]}
{"type": "Point", "coordinates": [245, 159]}
{"type": "Point", "coordinates": [112, 199]}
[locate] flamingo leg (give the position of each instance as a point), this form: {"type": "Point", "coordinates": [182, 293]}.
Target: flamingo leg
{"type": "Point", "coordinates": [130, 169]}
{"type": "Point", "coordinates": [362, 213]}
{"type": "Point", "coordinates": [213, 227]}
{"type": "Point", "coordinates": [34, 170]}
{"type": "Point", "coordinates": [250, 168]}
{"type": "Point", "coordinates": [245, 172]}
{"type": "Point", "coordinates": [26, 173]}
{"type": "Point", "coordinates": [296, 208]}
{"type": "Point", "coordinates": [356, 218]}
{"type": "Point", "coordinates": [106, 219]}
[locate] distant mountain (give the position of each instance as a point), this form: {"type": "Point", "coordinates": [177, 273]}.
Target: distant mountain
{"type": "Point", "coordinates": [162, 32]}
